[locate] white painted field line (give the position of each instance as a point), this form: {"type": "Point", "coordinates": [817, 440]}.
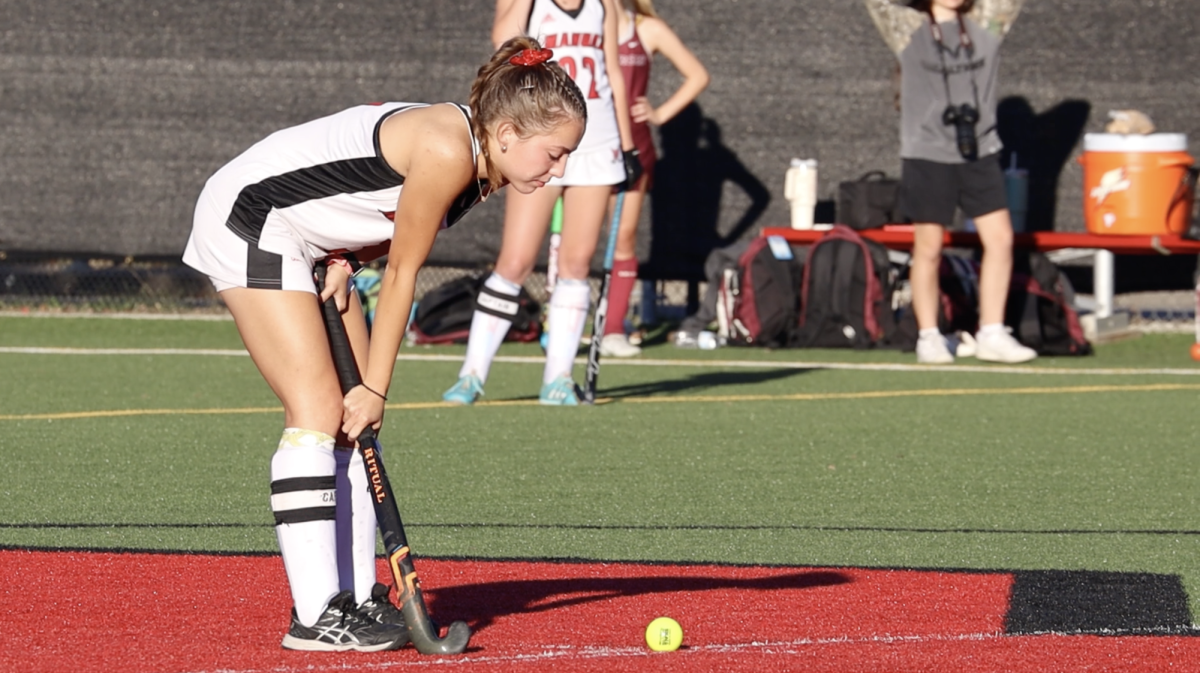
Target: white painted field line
{"type": "Point", "coordinates": [202, 317]}
{"type": "Point", "coordinates": [850, 366]}
{"type": "Point", "coordinates": [566, 653]}
{"type": "Point", "coordinates": [36, 350]}
{"type": "Point", "coordinates": [640, 362]}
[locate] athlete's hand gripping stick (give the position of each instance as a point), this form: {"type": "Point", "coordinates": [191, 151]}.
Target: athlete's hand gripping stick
{"type": "Point", "coordinates": [421, 630]}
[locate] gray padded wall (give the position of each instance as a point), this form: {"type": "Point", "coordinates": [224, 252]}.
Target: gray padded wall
{"type": "Point", "coordinates": [113, 113]}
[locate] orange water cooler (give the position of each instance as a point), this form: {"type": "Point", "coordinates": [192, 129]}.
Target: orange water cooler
{"type": "Point", "coordinates": [1136, 184]}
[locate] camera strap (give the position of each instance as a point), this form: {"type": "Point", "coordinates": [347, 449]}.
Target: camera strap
{"type": "Point", "coordinates": [965, 42]}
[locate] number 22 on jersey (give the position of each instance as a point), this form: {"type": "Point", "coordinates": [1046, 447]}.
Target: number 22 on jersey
{"type": "Point", "coordinates": [568, 64]}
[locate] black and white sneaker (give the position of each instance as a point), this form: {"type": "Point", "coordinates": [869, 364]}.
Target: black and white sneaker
{"type": "Point", "coordinates": [344, 627]}
{"type": "Point", "coordinates": [380, 608]}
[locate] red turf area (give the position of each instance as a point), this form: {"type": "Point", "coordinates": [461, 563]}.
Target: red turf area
{"type": "Point", "coordinates": [138, 613]}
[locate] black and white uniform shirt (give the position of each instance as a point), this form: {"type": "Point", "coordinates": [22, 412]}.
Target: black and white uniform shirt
{"type": "Point", "coordinates": [300, 194]}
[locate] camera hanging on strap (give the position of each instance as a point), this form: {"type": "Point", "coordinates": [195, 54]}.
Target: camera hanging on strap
{"type": "Point", "coordinates": [962, 117]}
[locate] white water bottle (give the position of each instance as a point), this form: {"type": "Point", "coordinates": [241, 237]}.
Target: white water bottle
{"type": "Point", "coordinates": [800, 188]}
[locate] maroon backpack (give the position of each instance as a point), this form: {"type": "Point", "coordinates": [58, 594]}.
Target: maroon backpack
{"type": "Point", "coordinates": [757, 302]}
{"type": "Point", "coordinates": [1041, 310]}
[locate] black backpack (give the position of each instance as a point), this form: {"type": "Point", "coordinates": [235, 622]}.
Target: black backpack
{"type": "Point", "coordinates": [958, 295]}
{"type": "Point", "coordinates": [1040, 308]}
{"type": "Point", "coordinates": [846, 293]}
{"type": "Point", "coordinates": [759, 300]}
{"type": "Point", "coordinates": [444, 314]}
{"type": "Point", "coordinates": [958, 303]}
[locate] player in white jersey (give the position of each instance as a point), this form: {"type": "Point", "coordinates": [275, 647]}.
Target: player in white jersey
{"type": "Point", "coordinates": [301, 194]}
{"type": "Point", "coordinates": [577, 40]}
{"type": "Point", "coordinates": [370, 180]}
{"type": "Point", "coordinates": [584, 38]}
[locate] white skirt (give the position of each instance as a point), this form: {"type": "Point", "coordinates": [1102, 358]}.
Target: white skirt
{"type": "Point", "coordinates": [602, 166]}
{"type": "Point", "coordinates": [230, 261]}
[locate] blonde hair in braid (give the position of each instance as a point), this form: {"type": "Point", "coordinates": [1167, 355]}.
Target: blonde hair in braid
{"type": "Point", "coordinates": [534, 98]}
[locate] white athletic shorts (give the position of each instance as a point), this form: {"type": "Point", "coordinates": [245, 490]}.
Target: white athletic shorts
{"type": "Point", "coordinates": [601, 166]}
{"type": "Point", "coordinates": [282, 261]}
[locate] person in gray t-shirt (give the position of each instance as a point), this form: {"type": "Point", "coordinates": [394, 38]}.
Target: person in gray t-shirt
{"type": "Point", "coordinates": [949, 148]}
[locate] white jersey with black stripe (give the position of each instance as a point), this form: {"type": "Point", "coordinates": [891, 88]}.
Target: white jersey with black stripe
{"type": "Point", "coordinates": [300, 194]}
{"type": "Point", "coordinates": [324, 182]}
{"type": "Point", "coordinates": [577, 39]}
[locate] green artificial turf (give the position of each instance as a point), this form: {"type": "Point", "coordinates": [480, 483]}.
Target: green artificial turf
{"type": "Point", "coordinates": [1077, 478]}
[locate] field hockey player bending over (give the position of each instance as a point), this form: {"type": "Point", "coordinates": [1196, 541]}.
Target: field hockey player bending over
{"type": "Point", "coordinates": [353, 186]}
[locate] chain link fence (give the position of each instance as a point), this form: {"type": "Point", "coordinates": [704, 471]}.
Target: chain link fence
{"type": "Point", "coordinates": [1160, 312]}
{"type": "Point", "coordinates": [113, 285]}
{"type": "Point", "coordinates": [99, 284]}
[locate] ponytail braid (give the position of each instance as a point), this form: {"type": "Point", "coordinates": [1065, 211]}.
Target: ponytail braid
{"type": "Point", "coordinates": [534, 98]}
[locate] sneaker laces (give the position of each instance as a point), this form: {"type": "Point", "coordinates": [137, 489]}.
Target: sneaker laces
{"type": "Point", "coordinates": [352, 611]}
{"type": "Point", "coordinates": [380, 607]}
{"type": "Point", "coordinates": [341, 604]}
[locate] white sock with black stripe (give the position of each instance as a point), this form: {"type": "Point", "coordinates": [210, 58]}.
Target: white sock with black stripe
{"type": "Point", "coordinates": [302, 498]}
{"type": "Point", "coordinates": [489, 324]}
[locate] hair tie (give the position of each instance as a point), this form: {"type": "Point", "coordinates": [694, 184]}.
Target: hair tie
{"type": "Point", "coordinates": [531, 57]}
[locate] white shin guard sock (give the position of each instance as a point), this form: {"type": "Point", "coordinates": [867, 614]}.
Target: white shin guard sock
{"type": "Point", "coordinates": [363, 507]}
{"type": "Point", "coordinates": [488, 330]}
{"type": "Point", "coordinates": [302, 498]}
{"type": "Point", "coordinates": [568, 312]}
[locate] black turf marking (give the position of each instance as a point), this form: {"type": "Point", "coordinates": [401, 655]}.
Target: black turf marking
{"type": "Point", "coordinates": [1084, 601]}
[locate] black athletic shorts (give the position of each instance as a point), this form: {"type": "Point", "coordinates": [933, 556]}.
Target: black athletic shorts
{"type": "Point", "coordinates": [930, 190]}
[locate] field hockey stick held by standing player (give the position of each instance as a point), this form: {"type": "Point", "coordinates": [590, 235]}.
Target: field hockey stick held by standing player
{"type": "Point", "coordinates": [556, 218]}
{"type": "Point", "coordinates": [598, 320]}
{"type": "Point", "coordinates": [421, 630]}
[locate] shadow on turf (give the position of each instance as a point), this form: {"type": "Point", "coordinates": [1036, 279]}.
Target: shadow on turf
{"type": "Point", "coordinates": [701, 381]}
{"type": "Point", "coordinates": [695, 382]}
{"type": "Point", "coordinates": [487, 601]}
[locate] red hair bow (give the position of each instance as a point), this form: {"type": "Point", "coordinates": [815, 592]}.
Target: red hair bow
{"type": "Point", "coordinates": [532, 57]}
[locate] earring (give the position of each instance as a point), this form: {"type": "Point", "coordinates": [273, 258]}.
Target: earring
{"type": "Point", "coordinates": [503, 149]}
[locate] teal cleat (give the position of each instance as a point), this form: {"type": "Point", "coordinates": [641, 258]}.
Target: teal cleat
{"type": "Point", "coordinates": [561, 392]}
{"type": "Point", "coordinates": [468, 389]}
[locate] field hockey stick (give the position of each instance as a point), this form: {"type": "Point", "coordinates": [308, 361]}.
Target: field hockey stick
{"type": "Point", "coordinates": [601, 315]}
{"type": "Point", "coordinates": [421, 630]}
{"type": "Point", "coordinates": [556, 218]}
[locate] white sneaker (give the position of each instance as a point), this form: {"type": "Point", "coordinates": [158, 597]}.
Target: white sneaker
{"type": "Point", "coordinates": [933, 351]}
{"type": "Point", "coordinates": [618, 346]}
{"type": "Point", "coordinates": [1002, 347]}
